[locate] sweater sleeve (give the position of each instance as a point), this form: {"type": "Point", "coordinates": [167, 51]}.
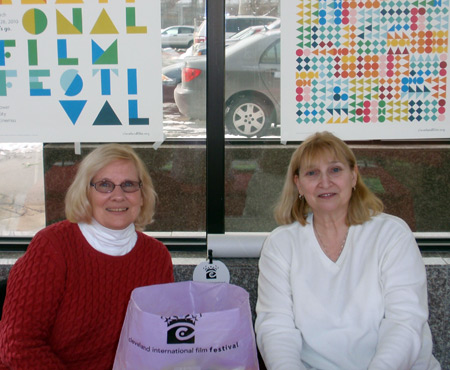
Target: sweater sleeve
{"type": "Point", "coordinates": [161, 266]}
{"type": "Point", "coordinates": [35, 288]}
{"type": "Point", "coordinates": [403, 280]}
{"type": "Point", "coordinates": [279, 341]}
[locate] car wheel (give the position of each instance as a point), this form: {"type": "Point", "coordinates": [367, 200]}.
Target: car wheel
{"type": "Point", "coordinates": [189, 44]}
{"type": "Point", "coordinates": [248, 116]}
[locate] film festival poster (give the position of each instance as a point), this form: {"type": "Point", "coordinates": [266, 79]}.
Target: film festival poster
{"type": "Point", "coordinates": [80, 71]}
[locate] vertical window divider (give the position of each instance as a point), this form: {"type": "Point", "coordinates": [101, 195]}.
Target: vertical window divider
{"type": "Point", "coordinates": [215, 128]}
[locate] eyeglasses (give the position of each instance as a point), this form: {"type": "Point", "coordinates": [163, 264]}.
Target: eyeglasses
{"type": "Point", "coordinates": [105, 186]}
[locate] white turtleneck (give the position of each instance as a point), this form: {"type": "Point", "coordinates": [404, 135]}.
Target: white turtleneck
{"type": "Point", "coordinates": [108, 241]}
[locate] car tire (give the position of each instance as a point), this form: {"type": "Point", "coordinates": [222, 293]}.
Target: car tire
{"type": "Point", "coordinates": [189, 44]}
{"type": "Point", "coordinates": [248, 116]}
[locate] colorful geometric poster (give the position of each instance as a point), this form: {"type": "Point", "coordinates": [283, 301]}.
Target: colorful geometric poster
{"type": "Point", "coordinates": [365, 70]}
{"type": "Point", "coordinates": [80, 71]}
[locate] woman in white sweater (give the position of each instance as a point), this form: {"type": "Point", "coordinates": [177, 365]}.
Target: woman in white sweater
{"type": "Point", "coordinates": [342, 285]}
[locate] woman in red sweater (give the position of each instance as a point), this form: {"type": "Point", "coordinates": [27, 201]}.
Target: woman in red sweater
{"type": "Point", "coordinates": [67, 296]}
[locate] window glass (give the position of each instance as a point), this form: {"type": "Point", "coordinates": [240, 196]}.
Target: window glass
{"type": "Point", "coordinates": [185, 30]}
{"type": "Point", "coordinates": [177, 171]}
{"type": "Point", "coordinates": [172, 31]}
{"type": "Point", "coordinates": [22, 210]}
{"type": "Point", "coordinates": [178, 166]}
{"type": "Point", "coordinates": [272, 54]}
{"type": "Point", "coordinates": [235, 25]}
{"type": "Point", "coordinates": [411, 178]}
{"type": "Point", "coordinates": [39, 175]}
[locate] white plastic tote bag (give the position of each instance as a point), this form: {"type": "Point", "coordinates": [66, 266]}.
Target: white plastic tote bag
{"type": "Point", "coordinates": [189, 326]}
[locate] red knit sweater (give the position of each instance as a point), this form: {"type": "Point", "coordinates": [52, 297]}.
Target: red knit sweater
{"type": "Point", "coordinates": [66, 302]}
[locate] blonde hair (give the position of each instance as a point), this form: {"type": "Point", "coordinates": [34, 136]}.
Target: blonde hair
{"type": "Point", "coordinates": [77, 205]}
{"type": "Point", "coordinates": [363, 203]}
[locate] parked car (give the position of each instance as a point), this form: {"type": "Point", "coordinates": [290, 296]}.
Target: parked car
{"type": "Point", "coordinates": [252, 87]}
{"type": "Point", "coordinates": [200, 48]}
{"type": "Point", "coordinates": [235, 24]}
{"type": "Point", "coordinates": [252, 30]}
{"type": "Point", "coordinates": [274, 25]}
{"type": "Point", "coordinates": [171, 74]}
{"type": "Point", "coordinates": [171, 77]}
{"type": "Point", "coordinates": [243, 34]}
{"type": "Point", "coordinates": [177, 37]}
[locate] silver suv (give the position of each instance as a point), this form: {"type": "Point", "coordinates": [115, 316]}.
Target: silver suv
{"type": "Point", "coordinates": [177, 37]}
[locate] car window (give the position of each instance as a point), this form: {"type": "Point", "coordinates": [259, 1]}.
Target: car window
{"type": "Point", "coordinates": [185, 30]}
{"type": "Point", "coordinates": [230, 25]}
{"type": "Point", "coordinates": [245, 23]}
{"type": "Point", "coordinates": [262, 21]}
{"type": "Point", "coordinates": [236, 25]}
{"type": "Point", "coordinates": [242, 34]}
{"type": "Point", "coordinates": [171, 31]}
{"type": "Point", "coordinates": [272, 54]}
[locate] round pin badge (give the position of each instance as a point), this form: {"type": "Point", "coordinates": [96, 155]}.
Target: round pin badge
{"type": "Point", "coordinates": [215, 272]}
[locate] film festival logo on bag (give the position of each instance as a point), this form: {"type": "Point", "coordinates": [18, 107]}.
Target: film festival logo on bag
{"type": "Point", "coordinates": [211, 271]}
{"type": "Point", "coordinates": [181, 329]}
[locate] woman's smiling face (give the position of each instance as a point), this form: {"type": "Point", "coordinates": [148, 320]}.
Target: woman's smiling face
{"type": "Point", "coordinates": [326, 183]}
{"type": "Point", "coordinates": [116, 210]}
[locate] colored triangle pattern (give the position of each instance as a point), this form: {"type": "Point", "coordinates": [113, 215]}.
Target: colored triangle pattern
{"type": "Point", "coordinates": [378, 58]}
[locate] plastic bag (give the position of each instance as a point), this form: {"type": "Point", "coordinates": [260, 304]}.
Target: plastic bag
{"type": "Point", "coordinates": [188, 325]}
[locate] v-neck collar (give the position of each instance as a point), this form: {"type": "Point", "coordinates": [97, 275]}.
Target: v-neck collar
{"type": "Point", "coordinates": [321, 252]}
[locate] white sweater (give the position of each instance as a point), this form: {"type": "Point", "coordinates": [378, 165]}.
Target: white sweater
{"type": "Point", "coordinates": [367, 310]}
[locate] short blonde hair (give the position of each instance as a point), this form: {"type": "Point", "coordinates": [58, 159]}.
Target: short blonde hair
{"type": "Point", "coordinates": [77, 205]}
{"type": "Point", "coordinates": [363, 202]}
